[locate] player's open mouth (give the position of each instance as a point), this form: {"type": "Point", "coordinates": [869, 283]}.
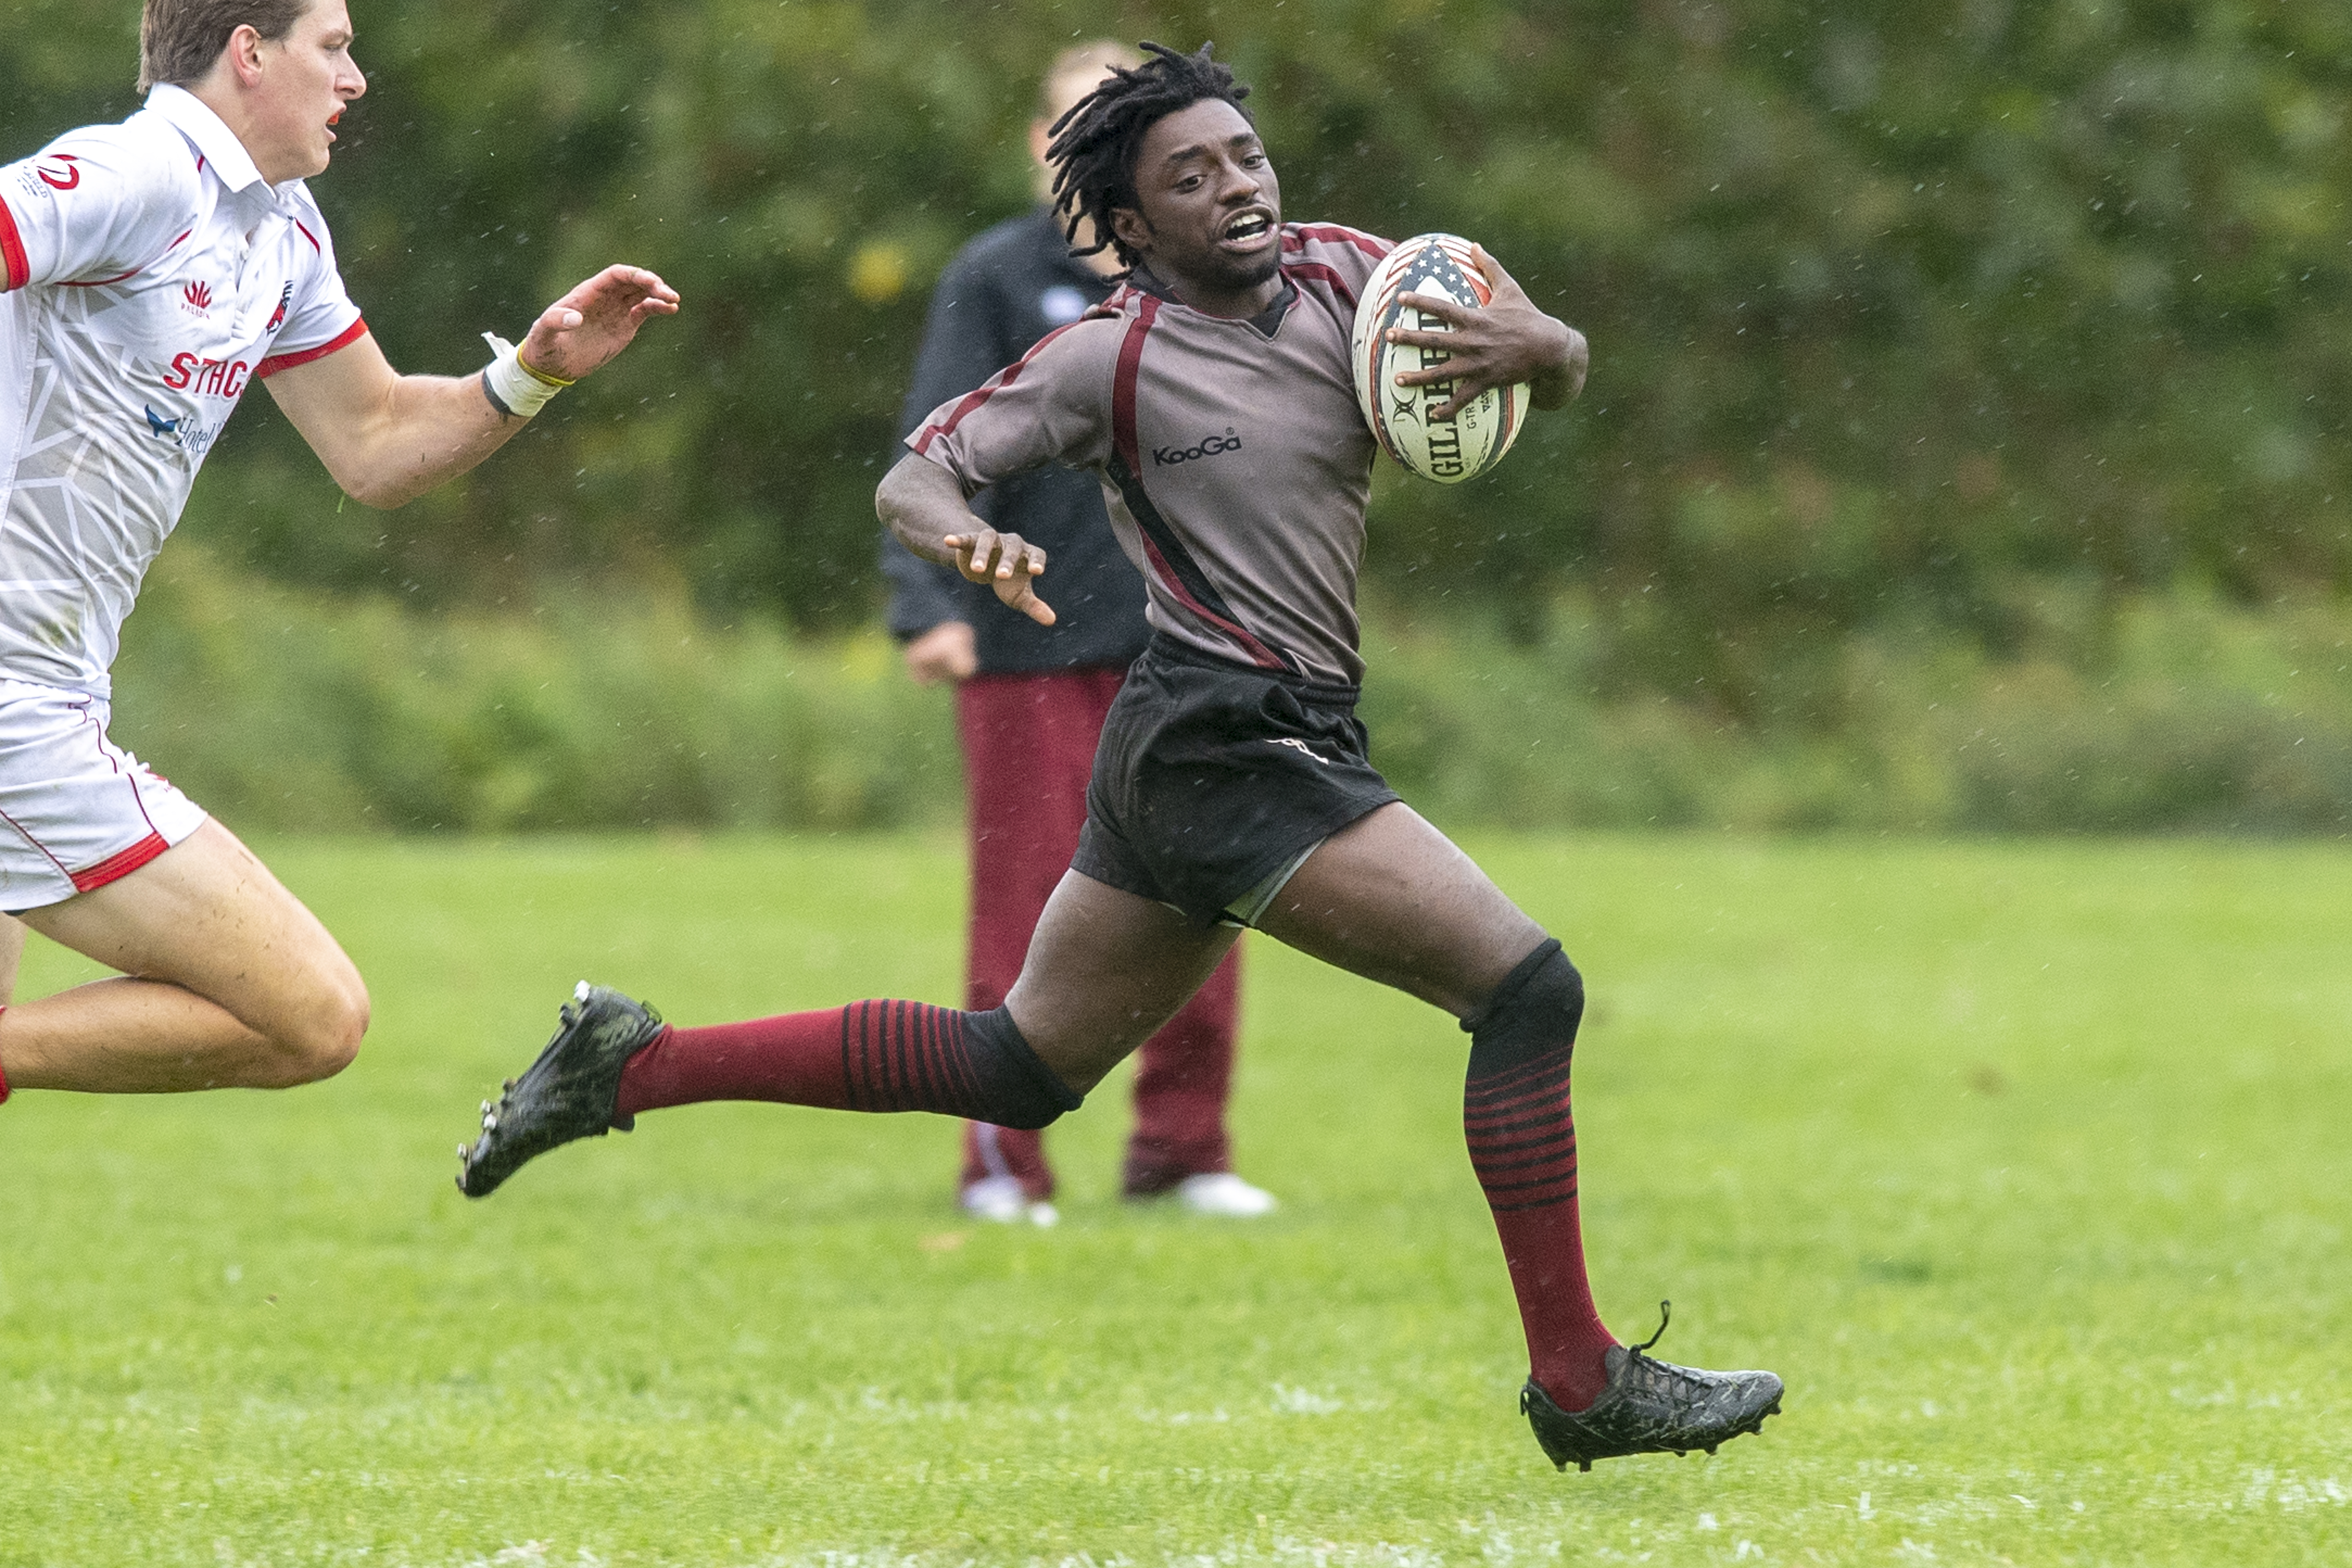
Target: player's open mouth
{"type": "Point", "coordinates": [1248, 230]}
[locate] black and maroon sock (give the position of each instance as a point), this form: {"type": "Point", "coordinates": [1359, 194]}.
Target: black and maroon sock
{"type": "Point", "coordinates": [868, 1056]}
{"type": "Point", "coordinates": [1516, 1117]}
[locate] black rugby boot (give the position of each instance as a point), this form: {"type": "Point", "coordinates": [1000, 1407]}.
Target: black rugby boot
{"type": "Point", "coordinates": [570, 1091]}
{"type": "Point", "coordinates": [1651, 1407]}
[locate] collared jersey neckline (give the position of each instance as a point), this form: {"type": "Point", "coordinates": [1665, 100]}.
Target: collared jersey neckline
{"type": "Point", "coordinates": [218, 145]}
{"type": "Point", "coordinates": [1265, 323]}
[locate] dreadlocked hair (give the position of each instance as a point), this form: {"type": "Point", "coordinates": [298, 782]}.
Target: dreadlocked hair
{"type": "Point", "coordinates": [1095, 145]}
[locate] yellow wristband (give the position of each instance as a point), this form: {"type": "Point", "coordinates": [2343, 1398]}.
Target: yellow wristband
{"type": "Point", "coordinates": [538, 374]}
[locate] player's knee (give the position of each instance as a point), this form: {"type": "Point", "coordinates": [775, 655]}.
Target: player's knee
{"type": "Point", "coordinates": [1016, 1088]}
{"type": "Point", "coordinates": [1537, 1008]}
{"type": "Point", "coordinates": [342, 1032]}
{"type": "Point", "coordinates": [329, 1038]}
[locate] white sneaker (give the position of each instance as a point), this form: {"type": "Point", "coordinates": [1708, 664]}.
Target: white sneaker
{"type": "Point", "coordinates": [1225, 1196]}
{"type": "Point", "coordinates": [1001, 1201]}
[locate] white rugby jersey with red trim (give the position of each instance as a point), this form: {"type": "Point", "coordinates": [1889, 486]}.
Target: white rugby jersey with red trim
{"type": "Point", "coordinates": [150, 275]}
{"type": "Point", "coordinates": [1233, 457]}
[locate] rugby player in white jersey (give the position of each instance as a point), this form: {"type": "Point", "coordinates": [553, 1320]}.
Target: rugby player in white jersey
{"type": "Point", "coordinates": [154, 271]}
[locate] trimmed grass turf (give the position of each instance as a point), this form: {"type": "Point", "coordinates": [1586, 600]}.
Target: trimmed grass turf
{"type": "Point", "coordinates": [2024, 1163]}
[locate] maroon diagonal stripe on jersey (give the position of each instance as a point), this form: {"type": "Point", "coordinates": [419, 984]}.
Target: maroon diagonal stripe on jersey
{"type": "Point", "coordinates": [1317, 272]}
{"type": "Point", "coordinates": [1122, 384]}
{"type": "Point", "coordinates": [1170, 561]}
{"type": "Point", "coordinates": [1333, 233]}
{"type": "Point", "coordinates": [973, 399]}
{"type": "Point", "coordinates": [1180, 575]}
{"type": "Point", "coordinates": [1323, 271]}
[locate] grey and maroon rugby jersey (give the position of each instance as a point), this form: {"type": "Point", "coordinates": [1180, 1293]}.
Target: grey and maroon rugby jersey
{"type": "Point", "coordinates": [1232, 457]}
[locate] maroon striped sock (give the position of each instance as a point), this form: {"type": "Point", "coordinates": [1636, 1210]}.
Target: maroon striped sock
{"type": "Point", "coordinates": [868, 1056]}
{"type": "Point", "coordinates": [1523, 1145]}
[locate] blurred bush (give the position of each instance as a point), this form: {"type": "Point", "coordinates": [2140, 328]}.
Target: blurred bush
{"type": "Point", "coordinates": [291, 709]}
{"type": "Point", "coordinates": [1903, 314]}
{"type": "Point", "coordinates": [2171, 713]}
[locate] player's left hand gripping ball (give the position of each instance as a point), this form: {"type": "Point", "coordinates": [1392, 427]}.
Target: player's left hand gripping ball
{"type": "Point", "coordinates": [595, 321]}
{"type": "Point", "coordinates": [1449, 353]}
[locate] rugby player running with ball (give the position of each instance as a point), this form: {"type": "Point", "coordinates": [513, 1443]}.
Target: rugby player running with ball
{"type": "Point", "coordinates": [152, 271]}
{"type": "Point", "coordinates": [1031, 701]}
{"type": "Point", "coordinates": [1213, 396]}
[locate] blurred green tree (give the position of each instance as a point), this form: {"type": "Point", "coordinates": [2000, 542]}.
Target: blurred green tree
{"type": "Point", "coordinates": [1936, 314]}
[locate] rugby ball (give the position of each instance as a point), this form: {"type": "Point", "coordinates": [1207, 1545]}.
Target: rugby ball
{"type": "Point", "coordinates": [1433, 266]}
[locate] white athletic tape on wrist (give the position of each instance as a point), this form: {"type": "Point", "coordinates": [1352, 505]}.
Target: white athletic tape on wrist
{"type": "Point", "coordinates": [514, 389]}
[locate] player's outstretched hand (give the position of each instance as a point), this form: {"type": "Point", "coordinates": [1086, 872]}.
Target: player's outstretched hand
{"type": "Point", "coordinates": [1006, 563]}
{"type": "Point", "coordinates": [1507, 342]}
{"type": "Point", "coordinates": [596, 321]}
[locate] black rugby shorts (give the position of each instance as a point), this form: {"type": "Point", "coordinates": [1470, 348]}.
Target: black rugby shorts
{"type": "Point", "coordinates": [1211, 777]}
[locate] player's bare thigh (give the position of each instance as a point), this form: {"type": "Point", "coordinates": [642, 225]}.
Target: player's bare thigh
{"type": "Point", "coordinates": [207, 915]}
{"type": "Point", "coordinates": [1105, 970]}
{"type": "Point", "coordinates": [1392, 899]}
{"type": "Point", "coordinates": [12, 956]}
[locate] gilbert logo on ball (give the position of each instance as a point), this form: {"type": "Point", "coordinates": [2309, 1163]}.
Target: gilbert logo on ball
{"type": "Point", "coordinates": [1433, 266]}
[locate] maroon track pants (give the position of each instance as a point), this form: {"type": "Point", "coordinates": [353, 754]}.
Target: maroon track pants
{"type": "Point", "coordinates": [1028, 749]}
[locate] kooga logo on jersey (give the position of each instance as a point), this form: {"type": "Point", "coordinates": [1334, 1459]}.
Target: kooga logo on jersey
{"type": "Point", "coordinates": [1228, 442]}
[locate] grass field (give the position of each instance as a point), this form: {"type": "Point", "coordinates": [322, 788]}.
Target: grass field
{"type": "Point", "coordinates": [2026, 1166]}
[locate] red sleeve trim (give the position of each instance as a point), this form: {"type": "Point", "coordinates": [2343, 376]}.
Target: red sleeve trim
{"type": "Point", "coordinates": [16, 269]}
{"type": "Point", "coordinates": [343, 340]}
{"type": "Point", "coordinates": [116, 866]}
